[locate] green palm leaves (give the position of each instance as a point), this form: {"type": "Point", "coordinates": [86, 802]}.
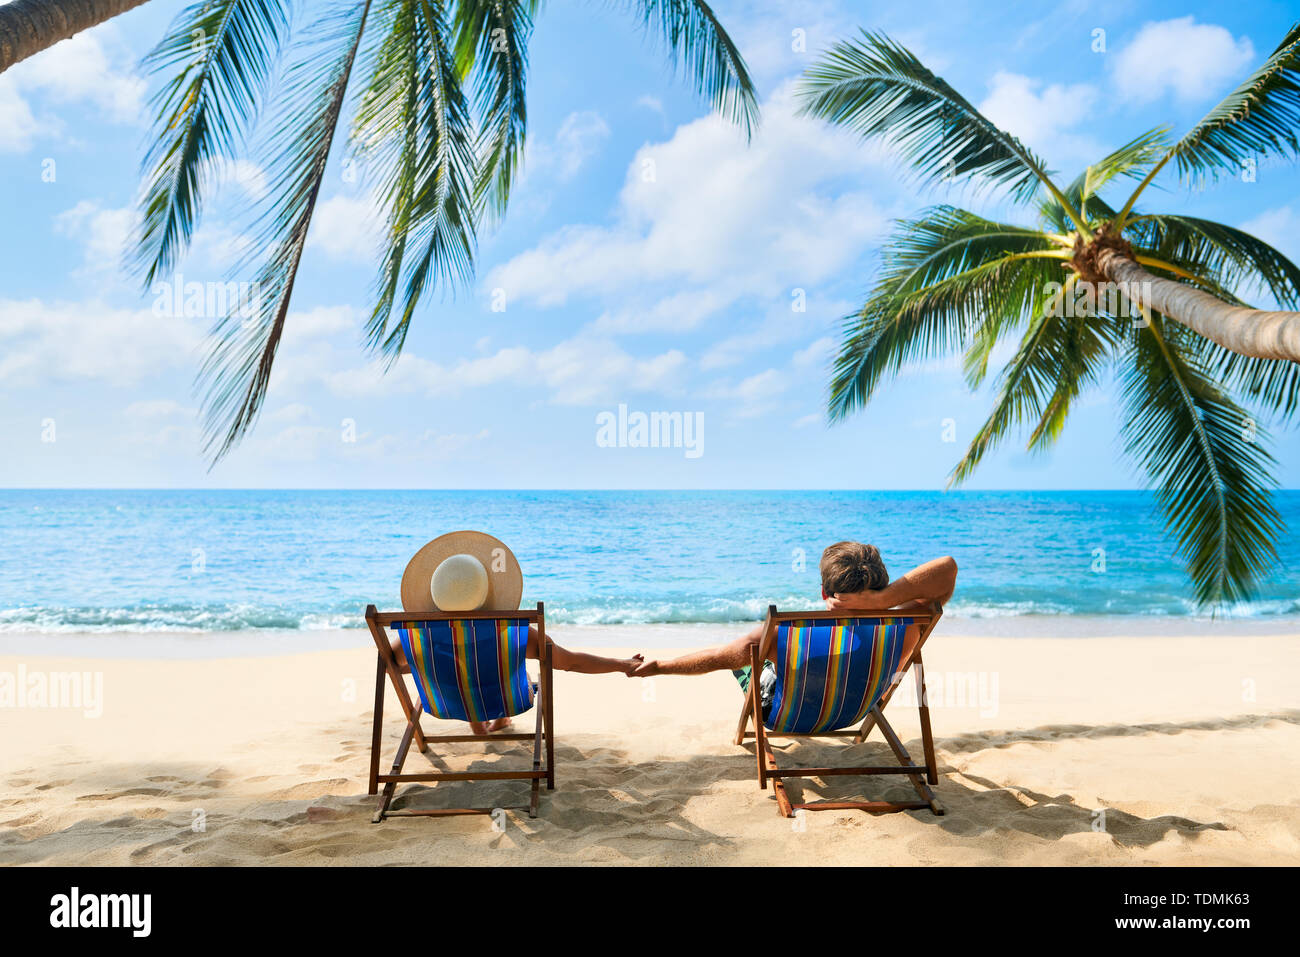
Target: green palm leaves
{"type": "Point", "coordinates": [438, 126]}
{"type": "Point", "coordinates": [954, 282]}
{"type": "Point", "coordinates": [222, 53]}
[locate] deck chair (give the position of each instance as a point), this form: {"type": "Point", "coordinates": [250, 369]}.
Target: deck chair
{"type": "Point", "coordinates": [832, 672]}
{"type": "Point", "coordinates": [467, 666]}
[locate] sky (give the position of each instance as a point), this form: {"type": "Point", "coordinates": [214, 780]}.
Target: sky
{"type": "Point", "coordinates": [651, 259]}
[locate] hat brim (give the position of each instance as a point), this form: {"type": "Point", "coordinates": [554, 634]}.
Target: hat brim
{"type": "Point", "coordinates": [505, 578]}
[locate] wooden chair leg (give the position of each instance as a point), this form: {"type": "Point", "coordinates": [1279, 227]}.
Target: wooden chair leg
{"type": "Point", "coordinates": [537, 760]}
{"type": "Point", "coordinates": [903, 757]}
{"type": "Point", "coordinates": [377, 731]}
{"type": "Point", "coordinates": [391, 786]}
{"type": "Point", "coordinates": [868, 723]}
{"type": "Point", "coordinates": [927, 736]}
{"type": "Point", "coordinates": [548, 697]}
{"type": "Point", "coordinates": [756, 705]}
{"type": "Point", "coordinates": [745, 711]}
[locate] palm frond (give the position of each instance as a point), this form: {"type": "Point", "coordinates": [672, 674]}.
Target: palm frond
{"type": "Point", "coordinates": [1259, 119]}
{"type": "Point", "coordinates": [1059, 356]}
{"type": "Point", "coordinates": [492, 44]}
{"type": "Point", "coordinates": [1056, 217]}
{"type": "Point", "coordinates": [947, 275]}
{"type": "Point", "coordinates": [237, 372]}
{"type": "Point", "coordinates": [416, 121]}
{"type": "Point", "coordinates": [877, 88]}
{"type": "Point", "coordinates": [1212, 479]}
{"type": "Point", "coordinates": [1271, 385]}
{"type": "Point", "coordinates": [694, 36]}
{"type": "Point", "coordinates": [1228, 256]}
{"type": "Point", "coordinates": [1130, 161]}
{"type": "Point", "coordinates": [223, 52]}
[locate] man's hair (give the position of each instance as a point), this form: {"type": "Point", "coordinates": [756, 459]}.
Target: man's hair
{"type": "Point", "coordinates": [852, 567]}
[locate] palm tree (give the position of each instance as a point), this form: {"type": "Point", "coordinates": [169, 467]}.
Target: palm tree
{"type": "Point", "coordinates": [1090, 289]}
{"type": "Point", "coordinates": [29, 26]}
{"type": "Point", "coordinates": [438, 122]}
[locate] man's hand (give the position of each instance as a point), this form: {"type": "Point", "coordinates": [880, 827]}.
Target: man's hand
{"type": "Point", "coordinates": [932, 582]}
{"type": "Point", "coordinates": [857, 599]}
{"type": "Point", "coordinates": [647, 669]}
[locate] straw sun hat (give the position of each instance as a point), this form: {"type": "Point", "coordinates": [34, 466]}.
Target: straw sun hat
{"type": "Point", "coordinates": [462, 571]}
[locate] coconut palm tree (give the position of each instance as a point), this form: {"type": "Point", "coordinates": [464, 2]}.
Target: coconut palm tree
{"type": "Point", "coordinates": [435, 91]}
{"type": "Point", "coordinates": [1091, 289]}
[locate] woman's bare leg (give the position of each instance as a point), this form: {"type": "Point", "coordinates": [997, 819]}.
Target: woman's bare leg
{"type": "Point", "coordinates": [729, 657]}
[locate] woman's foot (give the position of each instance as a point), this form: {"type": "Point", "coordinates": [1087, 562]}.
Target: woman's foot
{"type": "Point", "coordinates": [487, 727]}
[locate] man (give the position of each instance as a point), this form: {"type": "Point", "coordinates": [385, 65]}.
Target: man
{"type": "Point", "coordinates": [853, 577]}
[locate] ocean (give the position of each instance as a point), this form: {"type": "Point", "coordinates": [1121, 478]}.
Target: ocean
{"type": "Point", "coordinates": [227, 561]}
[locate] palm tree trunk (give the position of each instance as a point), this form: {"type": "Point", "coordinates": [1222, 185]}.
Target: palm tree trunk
{"type": "Point", "coordinates": [29, 26]}
{"type": "Point", "coordinates": [1249, 332]}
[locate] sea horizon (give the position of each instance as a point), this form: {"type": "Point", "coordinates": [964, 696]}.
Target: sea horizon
{"type": "Point", "coordinates": [271, 561]}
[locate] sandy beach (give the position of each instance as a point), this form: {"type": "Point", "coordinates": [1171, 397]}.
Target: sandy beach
{"type": "Point", "coordinates": [1146, 750]}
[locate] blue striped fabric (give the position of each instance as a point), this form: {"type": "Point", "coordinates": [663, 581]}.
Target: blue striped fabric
{"type": "Point", "coordinates": [829, 672]}
{"type": "Point", "coordinates": [469, 669]}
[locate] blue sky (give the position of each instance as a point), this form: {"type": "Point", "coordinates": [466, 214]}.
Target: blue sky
{"type": "Point", "coordinates": [668, 292]}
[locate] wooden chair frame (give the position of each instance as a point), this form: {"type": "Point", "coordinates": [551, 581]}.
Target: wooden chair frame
{"type": "Point", "coordinates": [543, 737]}
{"type": "Point", "coordinates": [767, 766]}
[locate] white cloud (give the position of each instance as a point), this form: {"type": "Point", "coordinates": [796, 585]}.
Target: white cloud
{"type": "Point", "coordinates": [651, 103]}
{"type": "Point", "coordinates": [102, 232]}
{"type": "Point", "coordinates": [1192, 60]}
{"type": "Point", "coordinates": [579, 371]}
{"type": "Point", "coordinates": [347, 228]}
{"type": "Point", "coordinates": [781, 324]}
{"type": "Point", "coordinates": [1277, 227]}
{"type": "Point", "coordinates": [707, 211]}
{"type": "Point", "coordinates": [77, 70]}
{"type": "Point", "coordinates": [245, 175]}
{"type": "Point", "coordinates": [754, 395]}
{"type": "Point", "coordinates": [579, 138]}
{"type": "Point", "coordinates": [816, 355]}
{"type": "Point", "coordinates": [72, 341]}
{"type": "Point", "coordinates": [677, 312]}
{"type": "Point", "coordinates": [151, 409]}
{"type": "Point", "coordinates": [1040, 115]}
{"type": "Point", "coordinates": [448, 443]}
{"type": "Point", "coordinates": [18, 127]}
{"type": "Point", "coordinates": [291, 414]}
{"type": "Point", "coordinates": [805, 421]}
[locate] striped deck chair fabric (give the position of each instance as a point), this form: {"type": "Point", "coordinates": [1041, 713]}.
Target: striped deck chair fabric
{"type": "Point", "coordinates": [829, 674]}
{"type": "Point", "coordinates": [471, 669]}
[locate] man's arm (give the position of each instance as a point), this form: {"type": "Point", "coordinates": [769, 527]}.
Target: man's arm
{"type": "Point", "coordinates": [933, 581]}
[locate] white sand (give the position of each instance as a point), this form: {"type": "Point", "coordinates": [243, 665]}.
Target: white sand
{"type": "Point", "coordinates": [1190, 746]}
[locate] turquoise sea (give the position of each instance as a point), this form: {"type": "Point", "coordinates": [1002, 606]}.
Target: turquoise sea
{"type": "Point", "coordinates": [222, 561]}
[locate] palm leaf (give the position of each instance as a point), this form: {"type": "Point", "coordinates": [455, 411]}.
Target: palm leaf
{"type": "Point", "coordinates": [693, 35]}
{"type": "Point", "coordinates": [1212, 483]}
{"type": "Point", "coordinates": [947, 275]}
{"type": "Point", "coordinates": [878, 88]}
{"type": "Point", "coordinates": [1130, 160]}
{"type": "Point", "coordinates": [1227, 256]}
{"type": "Point", "coordinates": [1260, 118]}
{"type": "Point", "coordinates": [1058, 358]}
{"type": "Point", "coordinates": [429, 136]}
{"type": "Point", "coordinates": [235, 375]}
{"type": "Point", "coordinates": [492, 43]}
{"type": "Point", "coordinates": [203, 115]}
